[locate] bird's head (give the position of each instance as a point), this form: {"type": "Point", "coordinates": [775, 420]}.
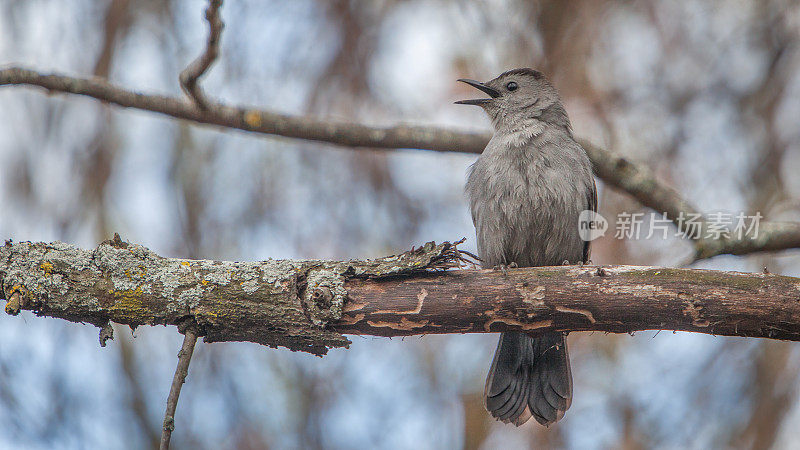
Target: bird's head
{"type": "Point", "coordinates": [517, 96]}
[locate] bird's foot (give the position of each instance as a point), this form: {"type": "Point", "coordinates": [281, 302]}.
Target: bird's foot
{"type": "Point", "coordinates": [504, 268]}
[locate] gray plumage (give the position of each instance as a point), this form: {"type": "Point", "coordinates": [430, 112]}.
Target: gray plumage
{"type": "Point", "coordinates": [526, 191]}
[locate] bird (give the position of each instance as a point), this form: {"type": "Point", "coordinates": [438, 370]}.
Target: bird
{"type": "Point", "coordinates": [526, 192]}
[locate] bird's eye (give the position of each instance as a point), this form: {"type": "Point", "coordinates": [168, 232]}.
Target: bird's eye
{"type": "Point", "coordinates": [512, 86]}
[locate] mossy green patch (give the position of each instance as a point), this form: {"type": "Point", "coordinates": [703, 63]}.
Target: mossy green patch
{"type": "Point", "coordinates": [697, 277]}
{"type": "Point", "coordinates": [548, 273]}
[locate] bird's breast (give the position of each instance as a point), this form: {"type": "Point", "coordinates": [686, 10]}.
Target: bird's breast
{"type": "Point", "coordinates": [524, 212]}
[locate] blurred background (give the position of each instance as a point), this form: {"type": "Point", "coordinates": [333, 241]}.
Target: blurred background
{"type": "Point", "coordinates": [706, 93]}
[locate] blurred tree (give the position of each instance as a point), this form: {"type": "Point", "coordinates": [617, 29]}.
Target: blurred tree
{"type": "Point", "coordinates": [705, 92]}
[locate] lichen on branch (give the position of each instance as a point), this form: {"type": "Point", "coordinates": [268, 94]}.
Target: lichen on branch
{"type": "Point", "coordinates": [274, 302]}
{"type": "Point", "coordinates": [308, 305]}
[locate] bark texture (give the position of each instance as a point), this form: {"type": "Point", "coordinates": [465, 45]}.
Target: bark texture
{"type": "Point", "coordinates": [307, 305]}
{"type": "Point", "coordinates": [274, 302]}
{"type": "Point", "coordinates": [619, 299]}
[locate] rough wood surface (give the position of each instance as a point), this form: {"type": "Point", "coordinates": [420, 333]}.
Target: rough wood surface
{"type": "Point", "coordinates": [570, 298]}
{"type": "Point", "coordinates": [308, 305]}
{"type": "Point", "coordinates": [274, 302]}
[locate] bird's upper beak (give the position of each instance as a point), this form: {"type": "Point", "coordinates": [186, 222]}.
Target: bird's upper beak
{"type": "Point", "coordinates": [493, 93]}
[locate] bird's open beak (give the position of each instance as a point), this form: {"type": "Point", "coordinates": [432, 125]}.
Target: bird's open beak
{"type": "Point", "coordinates": [493, 93]}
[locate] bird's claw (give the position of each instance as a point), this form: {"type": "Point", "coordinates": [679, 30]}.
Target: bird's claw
{"type": "Point", "coordinates": [504, 268]}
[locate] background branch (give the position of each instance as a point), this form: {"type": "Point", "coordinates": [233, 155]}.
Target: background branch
{"type": "Point", "coordinates": [191, 74]}
{"type": "Point", "coordinates": [617, 171]}
{"type": "Point", "coordinates": [305, 305]}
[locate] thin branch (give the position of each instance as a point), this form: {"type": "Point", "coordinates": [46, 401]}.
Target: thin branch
{"type": "Point", "coordinates": [772, 236]}
{"type": "Point", "coordinates": [639, 182]}
{"type": "Point", "coordinates": [617, 171]}
{"type": "Point", "coordinates": [191, 74]}
{"type": "Point", "coordinates": [184, 358]}
{"type": "Point", "coordinates": [306, 305]}
{"type": "Point", "coordinates": [254, 120]}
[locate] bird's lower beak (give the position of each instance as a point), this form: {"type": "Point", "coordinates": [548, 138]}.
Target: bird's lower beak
{"type": "Point", "coordinates": [493, 93]}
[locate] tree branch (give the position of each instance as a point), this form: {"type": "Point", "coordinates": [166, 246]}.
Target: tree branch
{"type": "Point", "coordinates": [307, 305]}
{"type": "Point", "coordinates": [181, 371]}
{"type": "Point", "coordinates": [615, 170]}
{"type": "Point", "coordinates": [191, 74]}
{"type": "Point", "coordinates": [773, 236]}
{"type": "Point", "coordinates": [254, 120]}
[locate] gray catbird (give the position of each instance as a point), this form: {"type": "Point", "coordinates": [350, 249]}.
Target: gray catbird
{"type": "Point", "coordinates": [526, 191]}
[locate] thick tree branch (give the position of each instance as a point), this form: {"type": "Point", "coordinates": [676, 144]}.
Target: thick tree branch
{"type": "Point", "coordinates": [620, 299]}
{"type": "Point", "coordinates": [286, 303]}
{"type": "Point", "coordinates": [191, 74]}
{"type": "Point", "coordinates": [615, 170]}
{"type": "Point", "coordinates": [305, 305]}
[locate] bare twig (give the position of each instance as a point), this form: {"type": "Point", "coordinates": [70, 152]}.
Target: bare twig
{"type": "Point", "coordinates": [617, 171]}
{"type": "Point", "coordinates": [191, 74]}
{"type": "Point", "coordinates": [184, 358]}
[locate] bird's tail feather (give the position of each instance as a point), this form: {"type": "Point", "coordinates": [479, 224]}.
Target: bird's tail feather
{"type": "Point", "coordinates": [530, 376]}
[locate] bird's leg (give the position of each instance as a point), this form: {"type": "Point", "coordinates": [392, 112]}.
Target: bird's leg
{"type": "Point", "coordinates": [504, 267]}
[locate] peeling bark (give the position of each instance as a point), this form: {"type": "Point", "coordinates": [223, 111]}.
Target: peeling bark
{"type": "Point", "coordinates": [619, 299]}
{"type": "Point", "coordinates": [308, 305]}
